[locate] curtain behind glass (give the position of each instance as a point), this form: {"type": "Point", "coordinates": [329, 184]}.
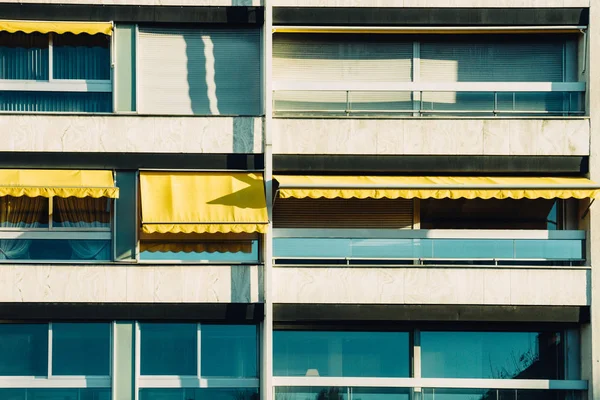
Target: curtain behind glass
{"type": "Point", "coordinates": [20, 212]}
{"type": "Point", "coordinates": [23, 56]}
{"type": "Point", "coordinates": [87, 212]}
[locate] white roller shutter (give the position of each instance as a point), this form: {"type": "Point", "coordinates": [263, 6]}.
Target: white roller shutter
{"type": "Point", "coordinates": [199, 71]}
{"type": "Point", "coordinates": [341, 58]}
{"type": "Point", "coordinates": [343, 213]}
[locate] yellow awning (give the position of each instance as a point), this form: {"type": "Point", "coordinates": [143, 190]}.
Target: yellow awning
{"type": "Point", "coordinates": [59, 27]}
{"type": "Point", "coordinates": [60, 183]}
{"type": "Point", "coordinates": [196, 247]}
{"type": "Point", "coordinates": [436, 187]}
{"type": "Point", "coordinates": [199, 202]}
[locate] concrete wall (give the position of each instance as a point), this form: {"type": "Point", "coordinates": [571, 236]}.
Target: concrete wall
{"type": "Point", "coordinates": [130, 134]}
{"type": "Point", "coordinates": [559, 137]}
{"type": "Point", "coordinates": [129, 284]}
{"type": "Point", "coordinates": [565, 287]}
{"type": "Point", "coordinates": [433, 3]}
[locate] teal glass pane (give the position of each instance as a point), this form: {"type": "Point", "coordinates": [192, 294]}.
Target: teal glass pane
{"type": "Point", "coordinates": [81, 349]}
{"type": "Point", "coordinates": [472, 248]}
{"type": "Point", "coordinates": [55, 102]}
{"type": "Point", "coordinates": [23, 349]}
{"type": "Point", "coordinates": [24, 56]}
{"type": "Point", "coordinates": [549, 249]}
{"type": "Point", "coordinates": [203, 251]}
{"type": "Point", "coordinates": [81, 56]}
{"type": "Point", "coordinates": [492, 355]}
{"type": "Point", "coordinates": [339, 353]}
{"type": "Point", "coordinates": [311, 393]}
{"type": "Point", "coordinates": [199, 394]}
{"type": "Point", "coordinates": [229, 351]}
{"type": "Point", "coordinates": [385, 248]}
{"type": "Point", "coordinates": [43, 249]}
{"type": "Point", "coordinates": [380, 394]}
{"type": "Point", "coordinates": [306, 247]}
{"type": "Point", "coordinates": [55, 394]}
{"type": "Point", "coordinates": [168, 349]}
{"type": "Point", "coordinates": [499, 394]}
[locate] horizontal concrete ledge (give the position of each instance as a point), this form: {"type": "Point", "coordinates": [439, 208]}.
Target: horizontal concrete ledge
{"type": "Point", "coordinates": [323, 313]}
{"type": "Point", "coordinates": [206, 312]}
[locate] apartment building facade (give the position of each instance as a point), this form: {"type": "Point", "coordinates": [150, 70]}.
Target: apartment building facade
{"type": "Point", "coordinates": [299, 199]}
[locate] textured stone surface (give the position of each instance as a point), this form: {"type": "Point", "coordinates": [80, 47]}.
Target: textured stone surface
{"type": "Point", "coordinates": [433, 3]}
{"type": "Point", "coordinates": [129, 284]}
{"type": "Point", "coordinates": [116, 133]}
{"type": "Point", "coordinates": [559, 137]}
{"type": "Point", "coordinates": [432, 286]}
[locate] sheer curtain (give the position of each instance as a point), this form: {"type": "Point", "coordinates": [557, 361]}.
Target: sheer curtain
{"type": "Point", "coordinates": [87, 212]}
{"type": "Point", "coordinates": [20, 212]}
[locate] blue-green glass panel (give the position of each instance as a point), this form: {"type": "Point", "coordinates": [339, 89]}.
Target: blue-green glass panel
{"type": "Point", "coordinates": [306, 247]}
{"type": "Point", "coordinates": [549, 249]}
{"type": "Point", "coordinates": [491, 355]}
{"type": "Point", "coordinates": [81, 56]}
{"type": "Point", "coordinates": [23, 349]}
{"type": "Point", "coordinates": [168, 349]}
{"type": "Point", "coordinates": [55, 101]}
{"type": "Point", "coordinates": [311, 393]}
{"type": "Point", "coordinates": [341, 353]}
{"type": "Point", "coordinates": [385, 248]}
{"type": "Point", "coordinates": [380, 394]}
{"type": "Point", "coordinates": [500, 394]}
{"type": "Point", "coordinates": [199, 394]}
{"type": "Point", "coordinates": [55, 394]}
{"type": "Point", "coordinates": [183, 252]}
{"type": "Point", "coordinates": [49, 249]}
{"type": "Point", "coordinates": [81, 349]}
{"type": "Point", "coordinates": [229, 351]}
{"type": "Point", "coordinates": [472, 248]}
{"type": "Point", "coordinates": [24, 56]}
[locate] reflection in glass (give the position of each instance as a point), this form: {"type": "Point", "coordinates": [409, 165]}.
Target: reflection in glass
{"type": "Point", "coordinates": [499, 394]}
{"type": "Point", "coordinates": [311, 393]}
{"type": "Point", "coordinates": [357, 354]}
{"type": "Point", "coordinates": [81, 349]}
{"type": "Point", "coordinates": [229, 350]}
{"type": "Point", "coordinates": [168, 349]}
{"type": "Point", "coordinates": [199, 394]}
{"type": "Point", "coordinates": [55, 394]}
{"type": "Point", "coordinates": [492, 355]}
{"type": "Point", "coordinates": [24, 349]}
{"type": "Point", "coordinates": [379, 394]}
{"type": "Point", "coordinates": [226, 250]}
{"type": "Point", "coordinates": [55, 249]}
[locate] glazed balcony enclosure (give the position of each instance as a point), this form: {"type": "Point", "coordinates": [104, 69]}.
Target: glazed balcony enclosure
{"type": "Point", "coordinates": [409, 234]}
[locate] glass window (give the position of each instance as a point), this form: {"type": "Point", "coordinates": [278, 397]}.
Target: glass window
{"type": "Point", "coordinates": [81, 349]}
{"type": "Point", "coordinates": [55, 394]}
{"type": "Point", "coordinates": [168, 349]}
{"type": "Point", "coordinates": [81, 56]}
{"type": "Point", "coordinates": [24, 56]}
{"type": "Point", "coordinates": [340, 393]}
{"type": "Point", "coordinates": [24, 349]}
{"type": "Point", "coordinates": [199, 394]}
{"type": "Point", "coordinates": [229, 350]}
{"type": "Point", "coordinates": [24, 212]}
{"type": "Point", "coordinates": [193, 250]}
{"type": "Point", "coordinates": [499, 394]}
{"type": "Point", "coordinates": [492, 355]}
{"type": "Point", "coordinates": [351, 354]}
{"type": "Point", "coordinates": [86, 212]}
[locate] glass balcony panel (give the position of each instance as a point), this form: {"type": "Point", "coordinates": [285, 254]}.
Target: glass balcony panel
{"type": "Point", "coordinates": [365, 103]}
{"type": "Point", "coordinates": [23, 349]}
{"type": "Point", "coordinates": [311, 102]}
{"type": "Point", "coordinates": [472, 248]}
{"type": "Point", "coordinates": [55, 394]}
{"type": "Point", "coordinates": [380, 394]}
{"type": "Point", "coordinates": [168, 349]}
{"type": "Point", "coordinates": [481, 103]}
{"type": "Point", "coordinates": [194, 251]}
{"type": "Point", "coordinates": [55, 249]}
{"type": "Point", "coordinates": [317, 247]}
{"type": "Point", "coordinates": [81, 349]}
{"type": "Point", "coordinates": [345, 354]}
{"type": "Point", "coordinates": [549, 249]}
{"type": "Point", "coordinates": [199, 394]}
{"type": "Point", "coordinates": [27, 101]}
{"type": "Point", "coordinates": [499, 394]}
{"type": "Point", "coordinates": [311, 393]}
{"type": "Point", "coordinates": [390, 248]}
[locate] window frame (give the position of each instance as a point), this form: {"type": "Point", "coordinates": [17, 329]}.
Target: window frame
{"type": "Point", "coordinates": [61, 85]}
{"type": "Point", "coordinates": [62, 233]}
{"type": "Point", "coordinates": [51, 381]}
{"type": "Point", "coordinates": [191, 381]}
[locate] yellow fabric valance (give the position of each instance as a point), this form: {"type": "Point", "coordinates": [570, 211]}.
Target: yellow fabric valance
{"type": "Point", "coordinates": [436, 187]}
{"type": "Point", "coordinates": [60, 183]}
{"type": "Point", "coordinates": [59, 27]}
{"type": "Point", "coordinates": [203, 202]}
{"type": "Point", "coordinates": [196, 247]}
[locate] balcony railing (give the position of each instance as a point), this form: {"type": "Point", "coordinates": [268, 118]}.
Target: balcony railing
{"type": "Point", "coordinates": [401, 99]}
{"type": "Point", "coordinates": [388, 246]}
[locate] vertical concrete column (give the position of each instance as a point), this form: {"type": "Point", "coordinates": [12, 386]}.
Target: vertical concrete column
{"type": "Point", "coordinates": [591, 333]}
{"type": "Point", "coordinates": [123, 387]}
{"type": "Point", "coordinates": [267, 325]}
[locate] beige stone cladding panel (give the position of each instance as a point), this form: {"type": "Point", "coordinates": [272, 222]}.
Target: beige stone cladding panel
{"type": "Point", "coordinates": [480, 286]}
{"type": "Point", "coordinates": [130, 134]}
{"type": "Point", "coordinates": [558, 137]}
{"type": "Point", "coordinates": [129, 284]}
{"type": "Point", "coordinates": [435, 3]}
